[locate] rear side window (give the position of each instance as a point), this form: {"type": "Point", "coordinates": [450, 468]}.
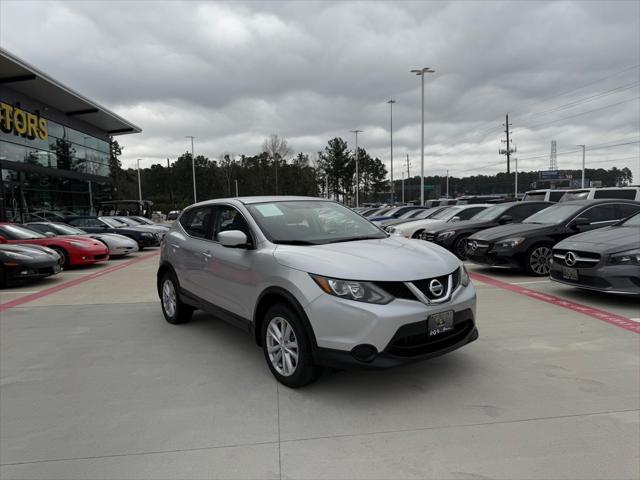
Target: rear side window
{"type": "Point", "coordinates": [578, 195]}
{"type": "Point", "coordinates": [86, 222]}
{"type": "Point", "coordinates": [467, 213]}
{"type": "Point", "coordinates": [600, 213]}
{"type": "Point", "coordinates": [197, 222]}
{"type": "Point", "coordinates": [625, 193]}
{"type": "Point", "coordinates": [626, 210]}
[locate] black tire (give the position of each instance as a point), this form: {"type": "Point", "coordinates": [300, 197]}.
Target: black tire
{"type": "Point", "coordinates": [538, 260]}
{"type": "Point", "coordinates": [460, 247]}
{"type": "Point", "coordinates": [63, 255]}
{"type": "Point", "coordinates": [305, 371]}
{"type": "Point", "coordinates": [180, 312]}
{"type": "Point", "coordinates": [3, 278]}
{"type": "Point", "coordinates": [417, 234]}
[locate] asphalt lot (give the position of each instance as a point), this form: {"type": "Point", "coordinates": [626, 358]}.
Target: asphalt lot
{"type": "Point", "coordinates": [95, 384]}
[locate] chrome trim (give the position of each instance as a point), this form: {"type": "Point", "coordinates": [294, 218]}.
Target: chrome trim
{"type": "Point", "coordinates": [596, 289]}
{"type": "Point", "coordinates": [426, 300]}
{"type": "Point", "coordinates": [578, 259]}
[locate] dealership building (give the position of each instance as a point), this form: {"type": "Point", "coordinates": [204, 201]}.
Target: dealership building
{"type": "Point", "coordinates": [54, 145]}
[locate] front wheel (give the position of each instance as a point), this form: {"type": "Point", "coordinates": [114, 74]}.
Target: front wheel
{"type": "Point", "coordinates": [538, 262]}
{"type": "Point", "coordinates": [64, 256]}
{"type": "Point", "coordinates": [287, 348]}
{"type": "Point", "coordinates": [460, 247]}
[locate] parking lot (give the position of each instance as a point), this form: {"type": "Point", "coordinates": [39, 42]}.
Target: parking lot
{"type": "Point", "coordinates": [95, 384]}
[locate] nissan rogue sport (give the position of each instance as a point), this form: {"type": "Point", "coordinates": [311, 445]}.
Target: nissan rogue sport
{"type": "Point", "coordinates": [316, 284]}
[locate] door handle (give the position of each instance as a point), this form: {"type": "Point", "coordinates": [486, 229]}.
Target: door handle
{"type": "Point", "coordinates": [207, 255]}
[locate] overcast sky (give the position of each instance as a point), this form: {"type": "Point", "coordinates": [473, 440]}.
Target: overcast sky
{"type": "Point", "coordinates": [233, 73]}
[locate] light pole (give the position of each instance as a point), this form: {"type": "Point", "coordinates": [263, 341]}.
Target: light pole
{"type": "Point", "coordinates": [447, 183]}
{"type": "Point", "coordinates": [516, 197]}
{"type": "Point", "coordinates": [393, 187]}
{"type": "Point", "coordinates": [236, 187]}
{"type": "Point", "coordinates": [403, 188]}
{"type": "Point", "coordinates": [421, 73]}
{"type": "Point", "coordinates": [139, 183]}
{"type": "Point", "coordinates": [357, 174]}
{"type": "Point", "coordinates": [583, 155]}
{"type": "Point", "coordinates": [193, 168]}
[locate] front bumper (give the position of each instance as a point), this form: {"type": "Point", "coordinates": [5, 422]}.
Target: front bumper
{"type": "Point", "coordinates": [88, 256]}
{"type": "Point", "coordinates": [495, 259]}
{"type": "Point", "coordinates": [16, 274]}
{"type": "Point", "coordinates": [619, 279]}
{"type": "Point", "coordinates": [340, 326]}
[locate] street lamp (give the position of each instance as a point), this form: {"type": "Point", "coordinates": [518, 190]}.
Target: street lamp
{"type": "Point", "coordinates": [583, 154]}
{"type": "Point", "coordinates": [357, 175]}
{"type": "Point", "coordinates": [421, 73]}
{"type": "Point", "coordinates": [139, 184]}
{"type": "Point", "coordinates": [193, 168]}
{"type": "Point", "coordinates": [393, 187]}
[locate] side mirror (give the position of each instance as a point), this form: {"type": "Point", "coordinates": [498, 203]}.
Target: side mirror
{"type": "Point", "coordinates": [232, 238]}
{"type": "Point", "coordinates": [505, 219]}
{"type": "Point", "coordinates": [50, 234]}
{"type": "Point", "coordinates": [2, 239]}
{"type": "Point", "coordinates": [580, 222]}
{"type": "Point", "coordinates": [455, 219]}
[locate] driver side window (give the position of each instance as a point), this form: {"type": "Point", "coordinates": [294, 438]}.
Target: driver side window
{"type": "Point", "coordinates": [600, 213]}
{"type": "Point", "coordinates": [228, 218]}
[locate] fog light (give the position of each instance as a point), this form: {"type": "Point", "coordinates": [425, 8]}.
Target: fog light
{"type": "Point", "coordinates": [364, 353]}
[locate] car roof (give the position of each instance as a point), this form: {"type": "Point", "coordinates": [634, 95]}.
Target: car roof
{"type": "Point", "coordinates": [262, 199]}
{"type": "Point", "coordinates": [596, 201]}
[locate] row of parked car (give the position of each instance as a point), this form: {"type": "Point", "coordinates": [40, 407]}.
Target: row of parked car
{"type": "Point", "coordinates": [593, 243]}
{"type": "Point", "coordinates": [39, 249]}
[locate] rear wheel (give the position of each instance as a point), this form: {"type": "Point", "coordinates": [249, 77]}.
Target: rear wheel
{"type": "Point", "coordinates": [287, 348]}
{"type": "Point", "coordinates": [538, 261]}
{"type": "Point", "coordinates": [3, 278]}
{"type": "Point", "coordinates": [460, 247]}
{"type": "Point", "coordinates": [64, 256]}
{"type": "Point", "coordinates": [420, 235]}
{"type": "Point", "coordinates": [174, 310]}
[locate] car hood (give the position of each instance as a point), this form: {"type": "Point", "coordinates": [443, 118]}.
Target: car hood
{"type": "Point", "coordinates": [423, 222]}
{"type": "Point", "coordinates": [461, 225]}
{"type": "Point", "coordinates": [603, 240]}
{"type": "Point", "coordinates": [31, 250]}
{"type": "Point", "coordinates": [510, 230]}
{"type": "Point", "coordinates": [387, 259]}
{"type": "Point", "coordinates": [116, 237]}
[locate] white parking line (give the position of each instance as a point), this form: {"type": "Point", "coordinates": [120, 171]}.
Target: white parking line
{"type": "Point", "coordinates": [637, 320]}
{"type": "Point", "coordinates": [18, 291]}
{"type": "Point", "coordinates": [528, 283]}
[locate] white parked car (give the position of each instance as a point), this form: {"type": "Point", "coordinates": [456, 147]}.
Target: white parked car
{"type": "Point", "coordinates": [415, 228]}
{"type": "Point", "coordinates": [621, 193]}
{"type": "Point", "coordinates": [118, 245]}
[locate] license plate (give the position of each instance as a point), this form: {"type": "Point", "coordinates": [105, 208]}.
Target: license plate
{"type": "Point", "coordinates": [569, 273]}
{"type": "Point", "coordinates": [440, 323]}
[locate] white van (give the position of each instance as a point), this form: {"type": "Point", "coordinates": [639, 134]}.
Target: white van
{"type": "Point", "coordinates": [627, 193]}
{"type": "Point", "coordinates": [546, 195]}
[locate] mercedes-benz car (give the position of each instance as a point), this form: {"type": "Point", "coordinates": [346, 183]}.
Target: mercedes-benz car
{"type": "Point", "coordinates": [417, 228]}
{"type": "Point", "coordinates": [25, 263]}
{"type": "Point", "coordinates": [453, 236]}
{"type": "Point", "coordinates": [607, 259]}
{"type": "Point", "coordinates": [528, 245]}
{"type": "Point", "coordinates": [316, 284]}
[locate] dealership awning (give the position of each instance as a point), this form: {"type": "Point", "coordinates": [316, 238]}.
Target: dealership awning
{"type": "Point", "coordinates": [26, 79]}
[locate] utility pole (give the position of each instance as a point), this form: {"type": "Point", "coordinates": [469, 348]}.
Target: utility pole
{"type": "Point", "coordinates": [516, 193]}
{"type": "Point", "coordinates": [583, 155]}
{"type": "Point", "coordinates": [139, 183]}
{"type": "Point", "coordinates": [403, 188]}
{"type": "Point", "coordinates": [507, 151]}
{"type": "Point", "coordinates": [236, 187]}
{"type": "Point", "coordinates": [193, 169]}
{"type": "Point", "coordinates": [357, 174]}
{"type": "Point", "coordinates": [393, 187]}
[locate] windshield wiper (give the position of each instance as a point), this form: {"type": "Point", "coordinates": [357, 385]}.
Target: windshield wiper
{"type": "Point", "coordinates": [294, 242]}
{"type": "Point", "coordinates": [353, 239]}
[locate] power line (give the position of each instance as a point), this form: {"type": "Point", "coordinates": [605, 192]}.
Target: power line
{"type": "Point", "coordinates": [594, 147]}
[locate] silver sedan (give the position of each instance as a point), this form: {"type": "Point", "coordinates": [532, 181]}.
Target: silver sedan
{"type": "Point", "coordinates": [118, 245]}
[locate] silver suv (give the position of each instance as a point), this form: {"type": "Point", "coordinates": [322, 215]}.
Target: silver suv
{"type": "Point", "coordinates": [316, 284]}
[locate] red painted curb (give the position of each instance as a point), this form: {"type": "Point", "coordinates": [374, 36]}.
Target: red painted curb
{"type": "Point", "coordinates": [612, 318]}
{"type": "Point", "coordinates": [72, 283]}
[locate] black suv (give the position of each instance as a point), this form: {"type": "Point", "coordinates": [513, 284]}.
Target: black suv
{"type": "Point", "coordinates": [529, 244]}
{"type": "Point", "coordinates": [453, 236]}
{"type": "Point", "coordinates": [145, 237]}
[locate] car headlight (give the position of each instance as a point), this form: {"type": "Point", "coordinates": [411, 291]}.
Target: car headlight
{"type": "Point", "coordinates": [464, 276]}
{"type": "Point", "coordinates": [80, 245]}
{"type": "Point", "coordinates": [16, 256]}
{"type": "Point", "coordinates": [353, 290]}
{"type": "Point", "coordinates": [510, 242]}
{"type": "Point", "coordinates": [629, 257]}
{"type": "Point", "coordinates": [445, 235]}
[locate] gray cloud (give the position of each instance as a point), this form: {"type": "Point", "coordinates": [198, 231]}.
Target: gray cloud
{"type": "Point", "coordinates": [232, 73]}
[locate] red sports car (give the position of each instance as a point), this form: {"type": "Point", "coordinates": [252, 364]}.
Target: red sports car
{"type": "Point", "coordinates": [72, 250]}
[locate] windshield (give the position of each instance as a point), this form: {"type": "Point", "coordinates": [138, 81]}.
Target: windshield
{"type": "Point", "coordinates": [633, 221]}
{"type": "Point", "coordinates": [445, 214]}
{"type": "Point", "coordinates": [311, 222]}
{"type": "Point", "coordinates": [379, 212]}
{"type": "Point", "coordinates": [16, 232]}
{"type": "Point", "coordinates": [60, 229]}
{"type": "Point", "coordinates": [127, 221]}
{"type": "Point", "coordinates": [491, 213]}
{"type": "Point", "coordinates": [411, 213]}
{"type": "Point", "coordinates": [554, 214]}
{"type": "Point", "coordinates": [112, 222]}
{"type": "Point", "coordinates": [392, 212]}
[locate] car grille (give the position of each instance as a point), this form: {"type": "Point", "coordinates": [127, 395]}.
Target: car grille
{"type": "Point", "coordinates": [412, 344]}
{"type": "Point", "coordinates": [576, 259]}
{"type": "Point", "coordinates": [407, 290]}
{"type": "Point", "coordinates": [586, 280]}
{"type": "Point", "coordinates": [476, 247]}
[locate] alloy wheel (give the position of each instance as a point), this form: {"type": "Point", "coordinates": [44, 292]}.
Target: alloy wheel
{"type": "Point", "coordinates": [461, 248]}
{"type": "Point", "coordinates": [169, 301]}
{"type": "Point", "coordinates": [540, 260]}
{"type": "Point", "coordinates": [282, 346]}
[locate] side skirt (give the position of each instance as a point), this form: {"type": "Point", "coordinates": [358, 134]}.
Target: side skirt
{"type": "Point", "coordinates": [218, 312]}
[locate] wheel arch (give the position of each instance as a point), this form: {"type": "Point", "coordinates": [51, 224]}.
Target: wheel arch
{"type": "Point", "coordinates": [162, 270]}
{"type": "Point", "coordinates": [271, 296]}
